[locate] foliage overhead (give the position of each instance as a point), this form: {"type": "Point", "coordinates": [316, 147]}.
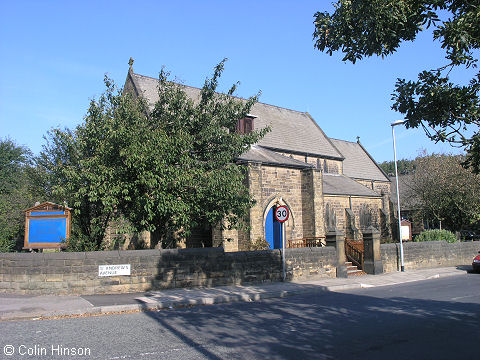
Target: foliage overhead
{"type": "Point", "coordinates": [166, 169]}
{"type": "Point", "coordinates": [448, 112]}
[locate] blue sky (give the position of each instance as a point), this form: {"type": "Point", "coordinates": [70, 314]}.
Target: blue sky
{"type": "Point", "coordinates": [54, 55]}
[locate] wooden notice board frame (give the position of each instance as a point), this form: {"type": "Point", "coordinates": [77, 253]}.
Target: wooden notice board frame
{"type": "Point", "coordinates": [47, 225]}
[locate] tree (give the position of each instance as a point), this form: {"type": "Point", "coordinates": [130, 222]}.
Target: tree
{"type": "Point", "coordinates": [446, 111]}
{"type": "Point", "coordinates": [166, 169]}
{"type": "Point", "coordinates": [404, 166]}
{"type": "Point", "coordinates": [17, 192]}
{"type": "Point", "coordinates": [442, 190]}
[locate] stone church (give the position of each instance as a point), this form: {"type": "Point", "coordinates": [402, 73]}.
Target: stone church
{"type": "Point", "coordinates": [325, 183]}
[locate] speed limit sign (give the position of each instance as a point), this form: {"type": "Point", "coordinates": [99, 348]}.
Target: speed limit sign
{"type": "Point", "coordinates": [281, 213]}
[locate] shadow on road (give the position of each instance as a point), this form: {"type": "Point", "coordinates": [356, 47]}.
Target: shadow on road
{"type": "Point", "coordinates": [328, 325]}
{"type": "Point", "coordinates": [466, 268]}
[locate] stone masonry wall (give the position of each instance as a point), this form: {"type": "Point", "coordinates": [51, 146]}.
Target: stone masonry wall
{"type": "Point", "coordinates": [267, 184]}
{"type": "Point", "coordinates": [325, 165]}
{"type": "Point", "coordinates": [340, 203]}
{"type": "Point", "coordinates": [428, 254]}
{"type": "Point", "coordinates": [77, 273]}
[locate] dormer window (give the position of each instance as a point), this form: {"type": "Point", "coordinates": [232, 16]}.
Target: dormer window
{"type": "Point", "coordinates": [245, 125]}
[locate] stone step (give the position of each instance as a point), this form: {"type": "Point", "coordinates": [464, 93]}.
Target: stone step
{"type": "Point", "coordinates": [356, 273]}
{"type": "Point", "coordinates": [353, 270]}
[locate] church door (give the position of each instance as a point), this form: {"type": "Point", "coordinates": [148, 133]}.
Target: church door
{"type": "Point", "coordinates": [273, 230]}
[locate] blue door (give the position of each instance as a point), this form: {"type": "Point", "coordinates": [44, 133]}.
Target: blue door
{"type": "Point", "coordinates": [273, 230]}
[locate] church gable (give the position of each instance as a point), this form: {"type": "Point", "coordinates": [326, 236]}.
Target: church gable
{"type": "Point", "coordinates": [291, 131]}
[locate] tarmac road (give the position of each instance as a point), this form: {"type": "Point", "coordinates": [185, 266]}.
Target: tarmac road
{"type": "Point", "coordinates": [431, 319]}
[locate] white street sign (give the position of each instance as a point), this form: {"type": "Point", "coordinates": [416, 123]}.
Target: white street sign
{"type": "Point", "coordinates": [113, 270]}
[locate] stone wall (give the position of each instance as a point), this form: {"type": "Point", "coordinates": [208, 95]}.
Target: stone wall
{"type": "Point", "coordinates": [325, 165]}
{"type": "Point", "coordinates": [428, 254]}
{"type": "Point", "coordinates": [311, 263]}
{"type": "Point", "coordinates": [339, 203]}
{"type": "Point", "coordinates": [267, 184]}
{"type": "Point", "coordinates": [77, 273]}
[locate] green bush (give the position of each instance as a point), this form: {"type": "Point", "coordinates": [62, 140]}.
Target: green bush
{"type": "Point", "coordinates": [437, 235]}
{"type": "Point", "coordinates": [259, 244]}
{"type": "Point", "coordinates": [6, 245]}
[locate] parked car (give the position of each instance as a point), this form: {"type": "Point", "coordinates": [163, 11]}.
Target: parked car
{"type": "Point", "coordinates": [476, 263]}
{"type": "Point", "coordinates": [469, 235]}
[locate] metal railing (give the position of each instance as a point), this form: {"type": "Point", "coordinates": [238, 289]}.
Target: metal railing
{"type": "Point", "coordinates": [314, 241]}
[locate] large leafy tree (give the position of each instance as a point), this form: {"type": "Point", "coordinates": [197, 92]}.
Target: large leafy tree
{"type": "Point", "coordinates": [442, 190]}
{"type": "Point", "coordinates": [166, 169]}
{"type": "Point", "coordinates": [18, 191]}
{"type": "Point", "coordinates": [448, 112]}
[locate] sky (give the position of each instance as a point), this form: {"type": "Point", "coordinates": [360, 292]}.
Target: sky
{"type": "Point", "coordinates": [54, 55]}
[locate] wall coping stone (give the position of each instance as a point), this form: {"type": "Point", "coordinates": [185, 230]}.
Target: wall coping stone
{"type": "Point", "coordinates": [142, 252]}
{"type": "Point", "coordinates": [65, 255]}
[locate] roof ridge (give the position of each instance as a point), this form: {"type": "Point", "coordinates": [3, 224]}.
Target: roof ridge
{"type": "Point", "coordinates": [351, 142]}
{"type": "Point", "coordinates": [307, 114]}
{"type": "Point", "coordinates": [237, 97]}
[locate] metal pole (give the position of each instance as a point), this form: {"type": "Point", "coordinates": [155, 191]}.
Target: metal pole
{"type": "Point", "coordinates": [283, 250]}
{"type": "Point", "coordinates": [402, 267]}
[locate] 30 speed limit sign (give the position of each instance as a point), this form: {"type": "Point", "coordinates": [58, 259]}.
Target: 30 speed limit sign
{"type": "Point", "coordinates": [281, 213]}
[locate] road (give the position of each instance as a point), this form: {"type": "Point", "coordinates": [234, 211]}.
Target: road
{"type": "Point", "coordinates": [434, 319]}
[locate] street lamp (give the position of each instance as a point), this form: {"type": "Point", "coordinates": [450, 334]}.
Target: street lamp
{"type": "Point", "coordinates": [395, 123]}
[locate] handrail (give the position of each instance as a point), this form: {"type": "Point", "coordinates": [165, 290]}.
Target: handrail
{"type": "Point", "coordinates": [354, 250]}
{"type": "Point", "coordinates": [310, 241]}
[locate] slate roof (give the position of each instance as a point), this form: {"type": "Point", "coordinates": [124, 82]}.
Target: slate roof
{"type": "Point", "coordinates": [267, 157]}
{"type": "Point", "coordinates": [334, 184]}
{"type": "Point", "coordinates": [292, 131]}
{"type": "Point", "coordinates": [358, 163]}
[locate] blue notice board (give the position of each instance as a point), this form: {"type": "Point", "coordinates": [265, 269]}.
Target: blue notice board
{"type": "Point", "coordinates": [47, 225]}
{"type": "Point", "coordinates": [47, 231]}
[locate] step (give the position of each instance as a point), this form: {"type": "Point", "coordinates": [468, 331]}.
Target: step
{"type": "Point", "coordinates": [356, 273]}
{"type": "Point", "coordinates": [353, 270]}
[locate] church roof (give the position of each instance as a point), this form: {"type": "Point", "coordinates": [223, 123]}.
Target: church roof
{"type": "Point", "coordinates": [291, 131]}
{"type": "Point", "coordinates": [262, 155]}
{"type": "Point", "coordinates": [334, 184]}
{"type": "Point", "coordinates": [358, 163]}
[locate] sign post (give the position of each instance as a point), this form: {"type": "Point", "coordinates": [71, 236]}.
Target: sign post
{"type": "Point", "coordinates": [281, 214]}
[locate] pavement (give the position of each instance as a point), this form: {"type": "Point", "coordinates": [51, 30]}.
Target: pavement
{"type": "Point", "coordinates": [28, 307]}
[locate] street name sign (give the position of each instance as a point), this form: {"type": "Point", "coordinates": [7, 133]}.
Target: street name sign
{"type": "Point", "coordinates": [113, 270]}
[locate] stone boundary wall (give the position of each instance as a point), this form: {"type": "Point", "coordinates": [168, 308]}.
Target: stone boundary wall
{"type": "Point", "coordinates": [428, 254]}
{"type": "Point", "coordinates": [77, 273]}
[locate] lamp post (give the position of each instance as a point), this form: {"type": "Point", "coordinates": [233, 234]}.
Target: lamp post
{"type": "Point", "coordinates": [395, 123]}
